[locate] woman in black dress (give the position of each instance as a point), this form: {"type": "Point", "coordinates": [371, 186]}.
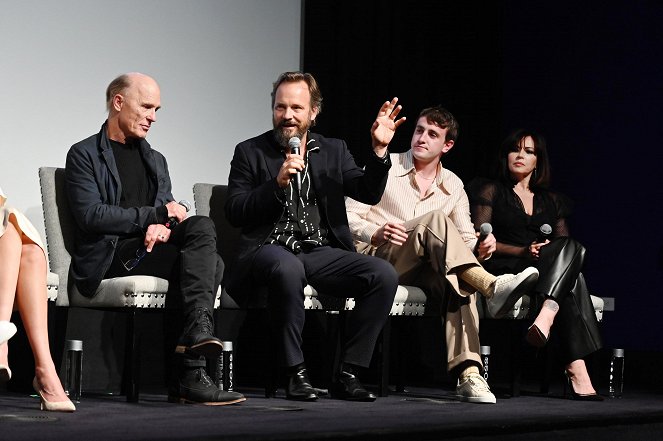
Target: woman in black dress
{"type": "Point", "coordinates": [521, 210]}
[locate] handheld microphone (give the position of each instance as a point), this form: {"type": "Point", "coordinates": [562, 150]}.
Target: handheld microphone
{"type": "Point", "coordinates": [295, 143]}
{"type": "Point", "coordinates": [172, 222]}
{"type": "Point", "coordinates": [484, 230]}
{"type": "Point", "coordinates": [544, 233]}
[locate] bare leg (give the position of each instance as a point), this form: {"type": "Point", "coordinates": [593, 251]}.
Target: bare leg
{"type": "Point", "coordinates": [577, 372]}
{"type": "Point", "coordinates": [31, 299]}
{"type": "Point", "coordinates": [538, 333]}
{"type": "Point", "coordinates": [10, 252]}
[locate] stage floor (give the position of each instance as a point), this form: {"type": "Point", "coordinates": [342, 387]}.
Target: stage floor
{"type": "Point", "coordinates": [420, 414]}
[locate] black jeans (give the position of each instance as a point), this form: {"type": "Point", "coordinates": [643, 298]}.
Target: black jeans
{"type": "Point", "coordinates": [189, 261]}
{"type": "Point", "coordinates": [372, 282]}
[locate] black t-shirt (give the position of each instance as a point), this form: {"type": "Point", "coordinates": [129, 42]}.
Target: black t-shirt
{"type": "Point", "coordinates": [137, 190]}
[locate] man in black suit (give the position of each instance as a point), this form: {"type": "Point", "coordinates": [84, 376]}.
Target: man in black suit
{"type": "Point", "coordinates": [295, 231]}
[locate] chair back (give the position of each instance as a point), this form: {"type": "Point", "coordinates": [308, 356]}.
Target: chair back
{"type": "Point", "coordinates": [59, 224]}
{"type": "Point", "coordinates": [210, 200]}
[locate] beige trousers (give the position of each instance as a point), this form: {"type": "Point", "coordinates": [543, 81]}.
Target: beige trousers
{"type": "Point", "coordinates": [429, 259]}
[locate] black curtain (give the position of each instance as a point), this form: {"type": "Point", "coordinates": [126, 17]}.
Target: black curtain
{"type": "Point", "coordinates": [586, 74]}
{"type": "Point", "coordinates": [426, 53]}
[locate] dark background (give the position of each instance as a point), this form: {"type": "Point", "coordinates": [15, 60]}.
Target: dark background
{"type": "Point", "coordinates": [585, 74]}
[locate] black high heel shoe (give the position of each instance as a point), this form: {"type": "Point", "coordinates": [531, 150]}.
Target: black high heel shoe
{"type": "Point", "coordinates": [580, 397]}
{"type": "Point", "coordinates": [536, 337]}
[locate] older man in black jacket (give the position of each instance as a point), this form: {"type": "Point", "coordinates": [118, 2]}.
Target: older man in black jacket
{"type": "Point", "coordinates": [295, 231]}
{"type": "Point", "coordinates": [128, 223]}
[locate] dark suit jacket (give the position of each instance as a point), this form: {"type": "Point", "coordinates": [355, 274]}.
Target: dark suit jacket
{"type": "Point", "coordinates": [94, 189]}
{"type": "Point", "coordinates": [254, 201]}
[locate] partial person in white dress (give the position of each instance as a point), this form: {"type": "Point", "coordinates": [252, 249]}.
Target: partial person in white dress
{"type": "Point", "coordinates": [23, 286]}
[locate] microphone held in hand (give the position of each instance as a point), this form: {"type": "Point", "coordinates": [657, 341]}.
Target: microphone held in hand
{"type": "Point", "coordinates": [544, 233]}
{"type": "Point", "coordinates": [295, 143]}
{"type": "Point", "coordinates": [172, 222]}
{"type": "Point", "coordinates": [484, 230]}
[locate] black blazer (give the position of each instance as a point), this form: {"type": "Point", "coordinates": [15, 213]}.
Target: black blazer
{"type": "Point", "coordinates": [254, 205]}
{"type": "Point", "coordinates": [94, 189]}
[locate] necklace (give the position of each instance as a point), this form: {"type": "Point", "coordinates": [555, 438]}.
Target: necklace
{"type": "Point", "coordinates": [424, 177]}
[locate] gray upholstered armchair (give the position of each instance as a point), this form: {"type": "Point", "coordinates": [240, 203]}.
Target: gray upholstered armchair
{"type": "Point", "coordinates": [129, 295]}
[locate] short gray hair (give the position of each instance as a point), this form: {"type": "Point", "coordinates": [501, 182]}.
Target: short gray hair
{"type": "Point", "coordinates": [118, 85]}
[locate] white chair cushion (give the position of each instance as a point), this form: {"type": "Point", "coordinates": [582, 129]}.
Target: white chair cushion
{"type": "Point", "coordinates": [122, 292]}
{"type": "Point", "coordinates": [409, 300]}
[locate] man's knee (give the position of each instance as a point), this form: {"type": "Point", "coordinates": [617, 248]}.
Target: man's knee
{"type": "Point", "coordinates": [385, 273]}
{"type": "Point", "coordinates": [201, 225]}
{"type": "Point", "coordinates": [282, 274]}
{"type": "Point", "coordinates": [435, 220]}
{"type": "Point", "coordinates": [279, 270]}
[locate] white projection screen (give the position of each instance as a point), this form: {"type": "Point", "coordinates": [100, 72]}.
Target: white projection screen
{"type": "Point", "coordinates": [215, 61]}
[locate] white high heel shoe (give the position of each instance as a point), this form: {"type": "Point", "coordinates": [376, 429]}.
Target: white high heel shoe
{"type": "Point", "coordinates": [53, 406]}
{"type": "Point", "coordinates": [7, 330]}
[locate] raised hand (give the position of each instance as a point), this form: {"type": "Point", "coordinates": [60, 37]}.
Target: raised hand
{"type": "Point", "coordinates": [385, 125]}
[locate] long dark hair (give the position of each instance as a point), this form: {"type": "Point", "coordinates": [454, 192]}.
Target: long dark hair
{"type": "Point", "coordinates": [541, 176]}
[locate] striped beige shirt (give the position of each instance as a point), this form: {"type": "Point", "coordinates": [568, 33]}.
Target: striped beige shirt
{"type": "Point", "coordinates": [401, 201]}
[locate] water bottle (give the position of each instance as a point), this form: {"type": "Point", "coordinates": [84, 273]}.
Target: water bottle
{"type": "Point", "coordinates": [485, 355]}
{"type": "Point", "coordinates": [224, 367]}
{"type": "Point", "coordinates": [73, 380]}
{"type": "Point", "coordinates": [616, 380]}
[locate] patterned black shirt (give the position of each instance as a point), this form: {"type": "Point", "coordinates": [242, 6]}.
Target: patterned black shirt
{"type": "Point", "coordinates": [299, 228]}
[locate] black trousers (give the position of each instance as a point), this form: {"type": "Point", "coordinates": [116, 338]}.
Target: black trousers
{"type": "Point", "coordinates": [560, 278]}
{"type": "Point", "coordinates": [189, 261]}
{"type": "Point", "coordinates": [372, 282]}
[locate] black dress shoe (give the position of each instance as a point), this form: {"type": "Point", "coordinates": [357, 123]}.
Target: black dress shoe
{"type": "Point", "coordinates": [299, 387]}
{"type": "Point", "coordinates": [198, 337]}
{"type": "Point", "coordinates": [348, 387]}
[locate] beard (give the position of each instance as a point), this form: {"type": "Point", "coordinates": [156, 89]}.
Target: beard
{"type": "Point", "coordinates": [282, 134]}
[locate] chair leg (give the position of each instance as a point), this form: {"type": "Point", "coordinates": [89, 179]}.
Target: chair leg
{"type": "Point", "coordinates": [57, 331]}
{"type": "Point", "coordinates": [516, 358]}
{"type": "Point", "coordinates": [384, 344]}
{"type": "Point", "coordinates": [397, 343]}
{"type": "Point", "coordinates": [338, 344]}
{"type": "Point", "coordinates": [131, 360]}
{"type": "Point", "coordinates": [273, 377]}
{"type": "Point", "coordinates": [546, 372]}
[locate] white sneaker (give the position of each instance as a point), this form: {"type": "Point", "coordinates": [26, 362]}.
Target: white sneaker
{"type": "Point", "coordinates": [7, 330]}
{"type": "Point", "coordinates": [508, 288]}
{"type": "Point", "coordinates": [474, 389]}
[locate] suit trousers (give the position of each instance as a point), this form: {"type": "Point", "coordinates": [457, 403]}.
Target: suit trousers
{"type": "Point", "coordinates": [332, 271]}
{"type": "Point", "coordinates": [430, 258]}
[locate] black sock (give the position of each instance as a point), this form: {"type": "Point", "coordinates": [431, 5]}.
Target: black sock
{"type": "Point", "coordinates": [296, 368]}
{"type": "Point", "coordinates": [350, 368]}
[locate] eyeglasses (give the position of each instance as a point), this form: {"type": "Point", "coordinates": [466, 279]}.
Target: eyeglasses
{"type": "Point", "coordinates": [133, 263]}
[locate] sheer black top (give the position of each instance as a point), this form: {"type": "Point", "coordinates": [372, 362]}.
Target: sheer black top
{"type": "Point", "coordinates": [497, 203]}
